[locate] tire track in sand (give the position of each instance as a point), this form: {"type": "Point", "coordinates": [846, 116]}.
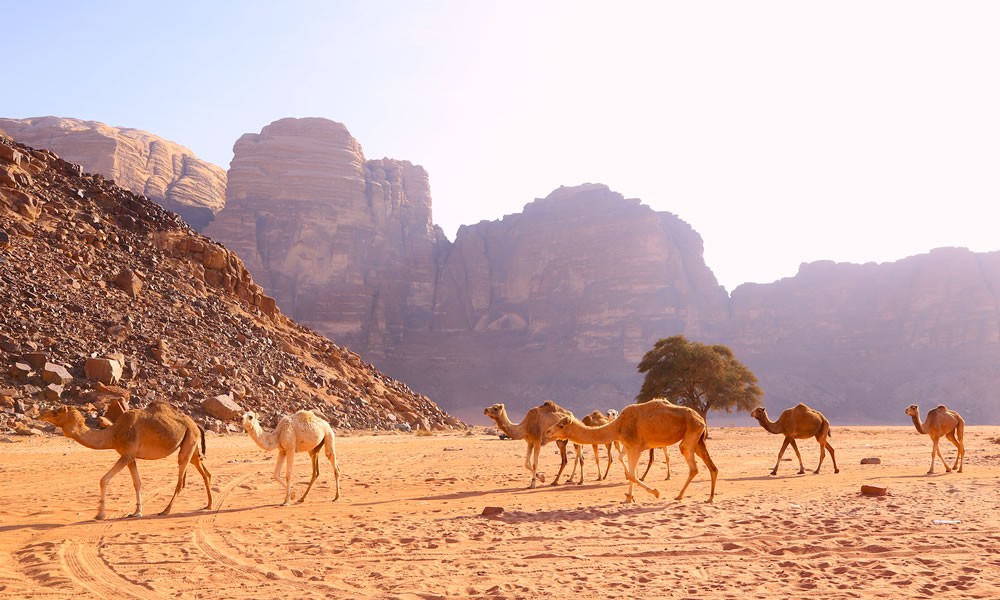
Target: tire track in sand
{"type": "Point", "coordinates": [81, 560]}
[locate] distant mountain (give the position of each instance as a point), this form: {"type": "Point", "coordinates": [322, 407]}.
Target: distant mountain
{"type": "Point", "coordinates": [165, 172]}
{"type": "Point", "coordinates": [561, 300]}
{"type": "Point", "coordinates": [90, 271]}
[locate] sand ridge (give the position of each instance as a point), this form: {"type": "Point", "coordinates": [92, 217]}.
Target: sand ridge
{"type": "Point", "coordinates": [409, 524]}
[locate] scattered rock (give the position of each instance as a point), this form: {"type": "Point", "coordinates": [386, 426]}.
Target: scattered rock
{"type": "Point", "coordinates": [871, 461]}
{"type": "Point", "coordinates": [56, 373]}
{"type": "Point", "coordinates": [130, 282]}
{"type": "Point", "coordinates": [222, 407]}
{"type": "Point", "coordinates": [492, 511]}
{"type": "Point", "coordinates": [874, 490]}
{"type": "Point", "coordinates": [106, 370]}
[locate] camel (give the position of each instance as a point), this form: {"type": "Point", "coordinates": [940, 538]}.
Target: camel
{"type": "Point", "coordinates": [639, 427]}
{"type": "Point", "coordinates": [799, 422]}
{"type": "Point", "coordinates": [666, 459]}
{"type": "Point", "coordinates": [532, 430]}
{"type": "Point", "coordinates": [303, 431]}
{"type": "Point", "coordinates": [150, 433]}
{"type": "Point", "coordinates": [941, 422]}
{"type": "Point", "coordinates": [596, 419]}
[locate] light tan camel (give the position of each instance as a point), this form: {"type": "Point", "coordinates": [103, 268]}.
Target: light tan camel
{"type": "Point", "coordinates": [303, 431]}
{"type": "Point", "coordinates": [941, 422]}
{"type": "Point", "coordinates": [150, 433]}
{"type": "Point", "coordinates": [639, 427]}
{"type": "Point", "coordinates": [532, 430]}
{"type": "Point", "coordinates": [799, 422]}
{"type": "Point", "coordinates": [596, 419]}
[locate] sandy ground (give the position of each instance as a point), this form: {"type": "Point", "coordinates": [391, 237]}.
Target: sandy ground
{"type": "Point", "coordinates": [409, 524]}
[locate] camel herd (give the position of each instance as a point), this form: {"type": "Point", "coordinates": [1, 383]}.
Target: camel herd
{"type": "Point", "coordinates": [159, 430]}
{"type": "Point", "coordinates": [659, 424]}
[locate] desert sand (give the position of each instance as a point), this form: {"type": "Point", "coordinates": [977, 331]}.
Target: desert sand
{"type": "Point", "coordinates": [409, 524]}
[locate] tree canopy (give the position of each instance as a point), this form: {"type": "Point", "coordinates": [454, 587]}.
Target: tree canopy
{"type": "Point", "coordinates": [699, 376]}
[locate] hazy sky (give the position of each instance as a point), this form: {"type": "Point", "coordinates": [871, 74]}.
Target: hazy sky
{"type": "Point", "coordinates": [783, 132]}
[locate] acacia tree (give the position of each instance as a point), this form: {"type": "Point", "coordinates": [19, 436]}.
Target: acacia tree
{"type": "Point", "coordinates": [698, 376]}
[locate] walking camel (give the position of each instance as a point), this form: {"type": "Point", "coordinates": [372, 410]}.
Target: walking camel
{"type": "Point", "coordinates": [303, 431]}
{"type": "Point", "coordinates": [799, 422]}
{"type": "Point", "coordinates": [532, 430]}
{"type": "Point", "coordinates": [941, 422]}
{"type": "Point", "coordinates": [596, 419]}
{"type": "Point", "coordinates": [151, 433]}
{"type": "Point", "coordinates": [639, 427]}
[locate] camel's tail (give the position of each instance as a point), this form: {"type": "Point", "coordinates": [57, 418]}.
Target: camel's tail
{"type": "Point", "coordinates": [204, 448]}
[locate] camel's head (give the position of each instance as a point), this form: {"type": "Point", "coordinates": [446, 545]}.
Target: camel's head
{"type": "Point", "coordinates": [758, 413]}
{"type": "Point", "coordinates": [494, 411]}
{"type": "Point", "coordinates": [250, 419]}
{"type": "Point", "coordinates": [612, 414]}
{"type": "Point", "coordinates": [912, 410]}
{"type": "Point", "coordinates": [60, 415]}
{"type": "Point", "coordinates": [558, 430]}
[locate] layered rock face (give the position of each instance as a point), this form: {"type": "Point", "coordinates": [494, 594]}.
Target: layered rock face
{"type": "Point", "coordinates": [165, 172]}
{"type": "Point", "coordinates": [560, 301]}
{"type": "Point", "coordinates": [865, 341]}
{"type": "Point", "coordinates": [345, 244]}
{"type": "Point", "coordinates": [105, 296]}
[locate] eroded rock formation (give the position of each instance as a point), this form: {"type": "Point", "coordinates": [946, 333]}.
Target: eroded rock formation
{"type": "Point", "coordinates": [165, 172]}
{"type": "Point", "coordinates": [90, 270]}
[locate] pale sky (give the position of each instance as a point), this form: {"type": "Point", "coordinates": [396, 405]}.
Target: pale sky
{"type": "Point", "coordinates": [783, 132]}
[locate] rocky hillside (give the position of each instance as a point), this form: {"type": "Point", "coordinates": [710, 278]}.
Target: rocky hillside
{"type": "Point", "coordinates": [167, 173]}
{"type": "Point", "coordinates": [105, 295]}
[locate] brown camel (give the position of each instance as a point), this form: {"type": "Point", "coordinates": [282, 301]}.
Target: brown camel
{"type": "Point", "coordinates": [666, 459]}
{"type": "Point", "coordinates": [532, 430]}
{"type": "Point", "coordinates": [639, 427]}
{"type": "Point", "coordinates": [150, 433]}
{"type": "Point", "coordinates": [799, 422]}
{"type": "Point", "coordinates": [941, 422]}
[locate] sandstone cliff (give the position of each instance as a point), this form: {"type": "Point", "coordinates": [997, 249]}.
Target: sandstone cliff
{"type": "Point", "coordinates": [344, 243]}
{"type": "Point", "coordinates": [865, 341]}
{"type": "Point", "coordinates": [91, 271]}
{"type": "Point", "coordinates": [167, 173]}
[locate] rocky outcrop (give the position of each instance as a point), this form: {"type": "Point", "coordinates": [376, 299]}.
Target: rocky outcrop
{"type": "Point", "coordinates": [165, 172]}
{"type": "Point", "coordinates": [558, 302]}
{"type": "Point", "coordinates": [198, 327]}
{"type": "Point", "coordinates": [343, 243]}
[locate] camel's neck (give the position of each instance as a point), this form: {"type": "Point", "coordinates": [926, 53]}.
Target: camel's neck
{"type": "Point", "coordinates": [95, 439]}
{"type": "Point", "coordinates": [918, 424]}
{"type": "Point", "coordinates": [579, 433]}
{"type": "Point", "coordinates": [767, 424]}
{"type": "Point", "coordinates": [267, 441]}
{"type": "Point", "coordinates": [514, 431]}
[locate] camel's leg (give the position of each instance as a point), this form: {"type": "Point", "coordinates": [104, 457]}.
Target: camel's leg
{"type": "Point", "coordinates": [188, 449]}
{"type": "Point", "coordinates": [134, 470]}
{"type": "Point", "coordinates": [781, 453]}
{"type": "Point", "coordinates": [961, 451]}
{"type": "Point", "coordinates": [936, 452]}
{"type": "Point", "coordinates": [118, 466]}
{"type": "Point", "coordinates": [314, 456]}
{"type": "Point", "coordinates": [579, 459]}
{"type": "Point", "coordinates": [688, 453]}
{"type": "Point", "coordinates": [702, 450]}
{"type": "Point", "coordinates": [802, 467]}
{"type": "Point", "coordinates": [562, 454]}
{"type": "Point", "coordinates": [205, 477]}
{"type": "Point", "coordinates": [331, 454]}
{"type": "Point", "coordinates": [666, 459]}
{"type": "Point", "coordinates": [289, 467]}
{"type": "Point", "coordinates": [649, 464]}
{"type": "Point", "coordinates": [633, 460]}
{"type": "Point", "coordinates": [278, 464]}
{"type": "Point", "coordinates": [825, 445]}
{"type": "Point", "coordinates": [608, 469]}
{"type": "Point", "coordinates": [531, 462]}
{"type": "Point", "coordinates": [597, 461]}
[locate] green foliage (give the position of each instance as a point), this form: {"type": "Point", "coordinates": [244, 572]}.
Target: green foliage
{"type": "Point", "coordinates": [698, 376]}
